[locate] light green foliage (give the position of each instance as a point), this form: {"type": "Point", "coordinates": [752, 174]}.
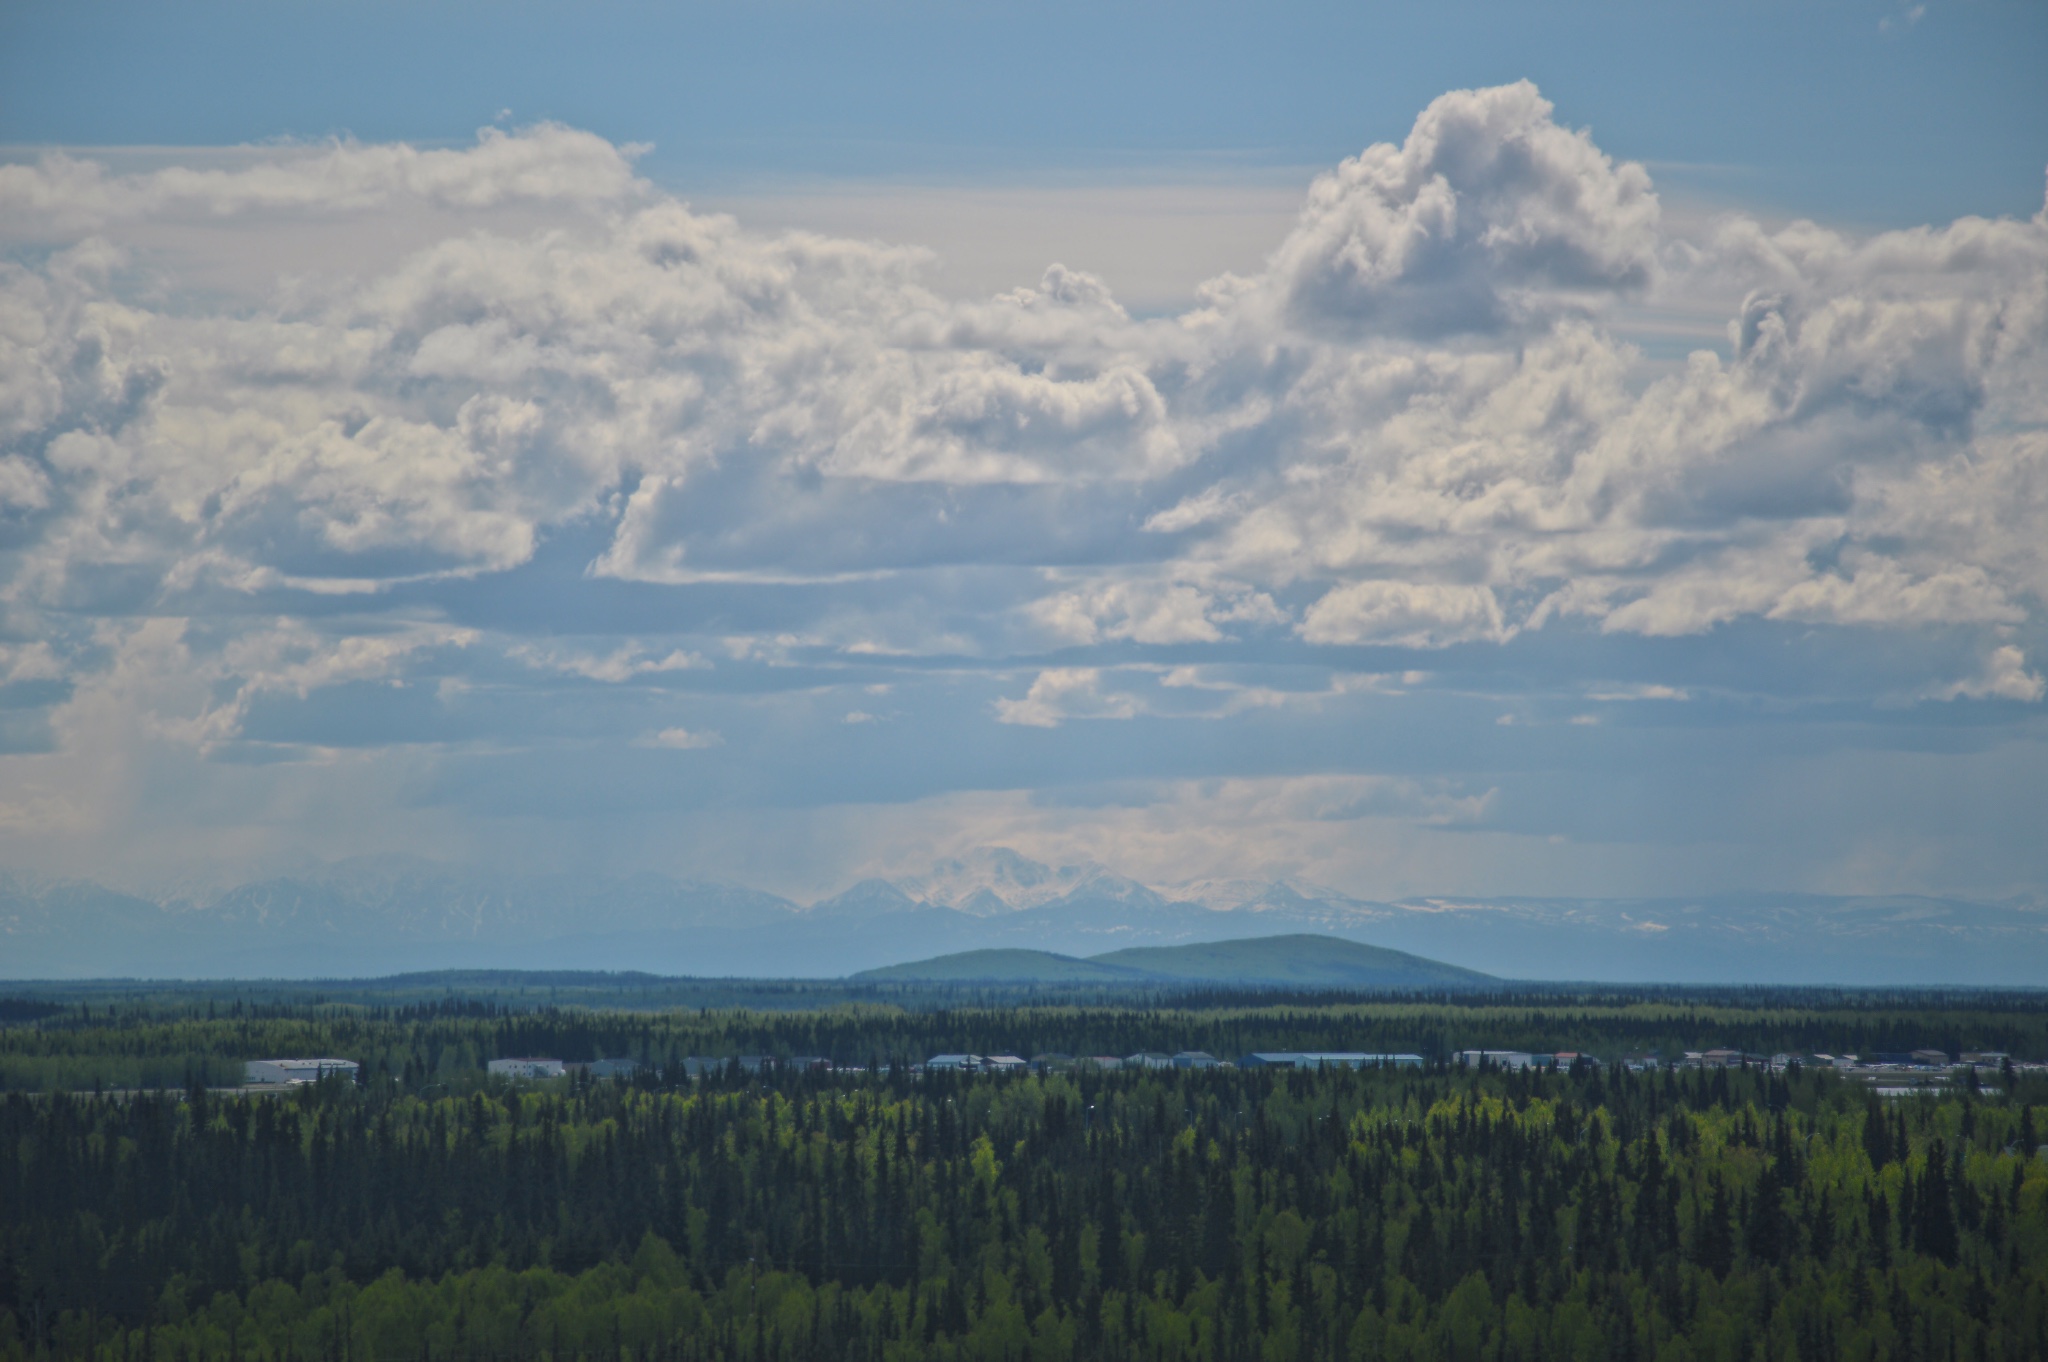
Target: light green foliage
{"type": "Point", "coordinates": [1436, 1216]}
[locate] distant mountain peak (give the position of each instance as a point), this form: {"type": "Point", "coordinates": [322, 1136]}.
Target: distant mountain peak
{"type": "Point", "coordinates": [867, 898]}
{"type": "Point", "coordinates": [1296, 960]}
{"type": "Point", "coordinates": [990, 880]}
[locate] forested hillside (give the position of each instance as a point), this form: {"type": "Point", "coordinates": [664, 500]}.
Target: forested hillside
{"type": "Point", "coordinates": [1439, 1214]}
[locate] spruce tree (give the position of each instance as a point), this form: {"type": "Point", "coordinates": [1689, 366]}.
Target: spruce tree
{"type": "Point", "coordinates": [1877, 1142]}
{"type": "Point", "coordinates": [1937, 1223]}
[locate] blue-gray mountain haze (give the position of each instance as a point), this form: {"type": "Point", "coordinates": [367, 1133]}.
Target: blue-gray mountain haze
{"type": "Point", "coordinates": [381, 916]}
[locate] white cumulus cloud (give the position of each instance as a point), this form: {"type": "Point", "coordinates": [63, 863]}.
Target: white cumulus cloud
{"type": "Point", "coordinates": [1061, 693]}
{"type": "Point", "coordinates": [567, 414]}
{"type": "Point", "coordinates": [2004, 677]}
{"type": "Point", "coordinates": [1416, 615]}
{"type": "Point", "coordinates": [681, 739]}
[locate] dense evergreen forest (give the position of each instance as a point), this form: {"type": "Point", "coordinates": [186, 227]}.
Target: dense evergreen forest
{"type": "Point", "coordinates": [1440, 1213]}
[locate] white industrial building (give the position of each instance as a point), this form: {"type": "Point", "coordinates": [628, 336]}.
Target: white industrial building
{"type": "Point", "coordinates": [526, 1068]}
{"type": "Point", "coordinates": [297, 1070]}
{"type": "Point", "coordinates": [986, 1064]}
{"type": "Point", "coordinates": [611, 1068]}
{"type": "Point", "coordinates": [1499, 1059]}
{"type": "Point", "coordinates": [1325, 1059]}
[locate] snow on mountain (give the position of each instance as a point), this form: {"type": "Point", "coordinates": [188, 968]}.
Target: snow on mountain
{"type": "Point", "coordinates": [989, 881]}
{"type": "Point", "coordinates": [867, 899]}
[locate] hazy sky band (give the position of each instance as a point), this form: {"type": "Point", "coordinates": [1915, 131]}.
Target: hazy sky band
{"type": "Point", "coordinates": [1867, 111]}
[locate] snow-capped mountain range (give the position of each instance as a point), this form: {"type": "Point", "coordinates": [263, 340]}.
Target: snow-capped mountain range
{"type": "Point", "coordinates": [383, 916]}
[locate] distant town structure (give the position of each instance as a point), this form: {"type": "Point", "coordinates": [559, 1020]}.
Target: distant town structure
{"type": "Point", "coordinates": [977, 1064]}
{"type": "Point", "coordinates": [526, 1067]}
{"type": "Point", "coordinates": [1898, 1073]}
{"type": "Point", "coordinates": [1500, 1059]}
{"type": "Point", "coordinates": [611, 1068]}
{"type": "Point", "coordinates": [297, 1070]}
{"type": "Point", "coordinates": [1891, 1073]}
{"type": "Point", "coordinates": [1325, 1059]}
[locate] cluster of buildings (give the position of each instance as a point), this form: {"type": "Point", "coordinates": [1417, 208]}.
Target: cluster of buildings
{"type": "Point", "coordinates": [1050, 1061]}
{"type": "Point", "coordinates": [1053, 1060]}
{"type": "Point", "coordinates": [1901, 1072]}
{"type": "Point", "coordinates": [1906, 1068]}
{"type": "Point", "coordinates": [1523, 1059]}
{"type": "Point", "coordinates": [1994, 1061]}
{"type": "Point", "coordinates": [291, 1072]}
{"type": "Point", "coordinates": [530, 1067]}
{"type": "Point", "coordinates": [1936, 1063]}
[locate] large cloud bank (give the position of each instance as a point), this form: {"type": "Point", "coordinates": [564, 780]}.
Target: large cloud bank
{"type": "Point", "coordinates": [1413, 432]}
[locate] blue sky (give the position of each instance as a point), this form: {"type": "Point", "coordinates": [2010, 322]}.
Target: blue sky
{"type": "Point", "coordinates": [1855, 110]}
{"type": "Point", "coordinates": [1576, 448]}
